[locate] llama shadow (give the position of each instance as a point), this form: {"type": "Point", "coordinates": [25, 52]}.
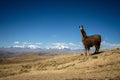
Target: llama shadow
{"type": "Point", "coordinates": [97, 53]}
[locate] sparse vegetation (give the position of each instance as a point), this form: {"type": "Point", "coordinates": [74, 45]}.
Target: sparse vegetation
{"type": "Point", "coordinates": [105, 65]}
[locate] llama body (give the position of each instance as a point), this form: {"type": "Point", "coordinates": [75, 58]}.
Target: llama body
{"type": "Point", "coordinates": [90, 41]}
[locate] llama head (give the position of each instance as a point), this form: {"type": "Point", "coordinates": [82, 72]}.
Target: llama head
{"type": "Point", "coordinates": [81, 27]}
{"type": "Point", "coordinates": [83, 33]}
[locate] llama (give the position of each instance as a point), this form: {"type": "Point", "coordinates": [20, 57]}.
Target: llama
{"type": "Point", "coordinates": [90, 41]}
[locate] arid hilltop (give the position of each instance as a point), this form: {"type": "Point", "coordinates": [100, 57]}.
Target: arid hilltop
{"type": "Point", "coordinates": [72, 66]}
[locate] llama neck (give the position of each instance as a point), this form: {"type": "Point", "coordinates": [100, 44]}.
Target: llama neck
{"type": "Point", "coordinates": [83, 34]}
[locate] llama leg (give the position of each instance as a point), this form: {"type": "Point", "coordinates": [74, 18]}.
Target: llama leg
{"type": "Point", "coordinates": [98, 48]}
{"type": "Point", "coordinates": [85, 51]}
{"type": "Point", "coordinates": [88, 51]}
{"type": "Point", "coordinates": [95, 49]}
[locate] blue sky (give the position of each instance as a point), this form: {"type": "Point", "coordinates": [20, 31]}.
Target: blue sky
{"type": "Point", "coordinates": [54, 23]}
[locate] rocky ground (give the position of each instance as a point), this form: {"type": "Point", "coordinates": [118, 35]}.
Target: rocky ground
{"type": "Point", "coordinates": [102, 66]}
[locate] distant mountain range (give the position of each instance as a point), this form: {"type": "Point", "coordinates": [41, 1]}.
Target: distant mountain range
{"type": "Point", "coordinates": [10, 52]}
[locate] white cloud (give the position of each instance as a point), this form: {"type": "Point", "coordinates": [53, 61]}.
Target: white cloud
{"type": "Point", "coordinates": [59, 45]}
{"type": "Point", "coordinates": [16, 42]}
{"type": "Point", "coordinates": [105, 44]}
{"type": "Point", "coordinates": [38, 43]}
{"type": "Point", "coordinates": [33, 46]}
{"type": "Point", "coordinates": [75, 45]}
{"type": "Point", "coordinates": [72, 44]}
{"type": "Point", "coordinates": [19, 46]}
{"type": "Point", "coordinates": [27, 44]}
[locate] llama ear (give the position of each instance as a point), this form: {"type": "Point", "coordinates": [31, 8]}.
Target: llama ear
{"type": "Point", "coordinates": [81, 27]}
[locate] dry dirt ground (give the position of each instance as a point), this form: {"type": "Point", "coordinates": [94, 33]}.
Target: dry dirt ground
{"type": "Point", "coordinates": [102, 66]}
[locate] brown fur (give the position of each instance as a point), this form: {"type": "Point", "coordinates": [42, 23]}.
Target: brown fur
{"type": "Point", "coordinates": [89, 41]}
